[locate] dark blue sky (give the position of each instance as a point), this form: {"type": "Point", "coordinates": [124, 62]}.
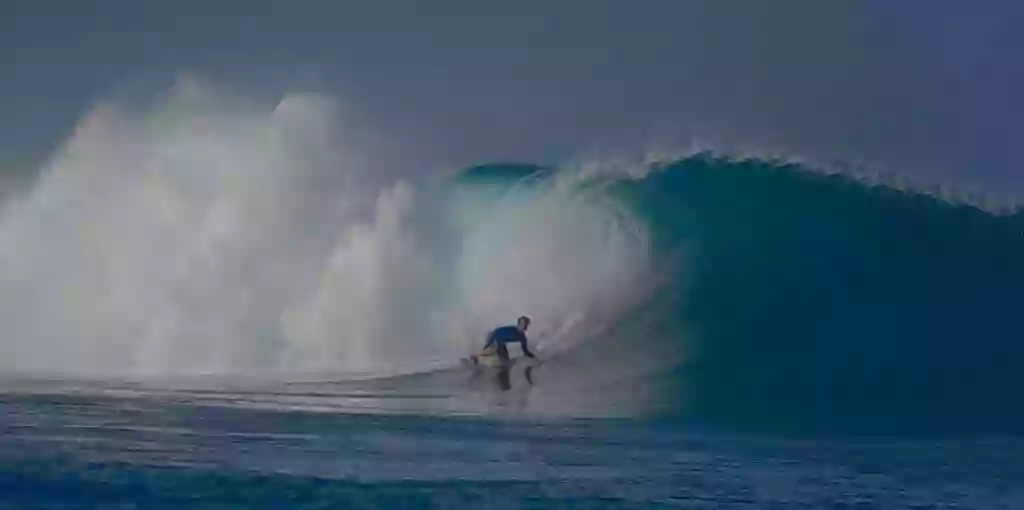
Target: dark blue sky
{"type": "Point", "coordinates": [927, 88]}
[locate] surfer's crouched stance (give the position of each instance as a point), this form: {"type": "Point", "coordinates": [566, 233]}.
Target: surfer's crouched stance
{"type": "Point", "coordinates": [501, 337]}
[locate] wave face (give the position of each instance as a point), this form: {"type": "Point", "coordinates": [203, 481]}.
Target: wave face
{"type": "Point", "coordinates": [191, 242]}
{"type": "Point", "coordinates": [794, 297]}
{"type": "Point", "coordinates": [816, 298]}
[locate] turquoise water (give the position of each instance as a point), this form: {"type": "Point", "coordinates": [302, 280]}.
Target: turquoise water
{"type": "Point", "coordinates": [796, 298]}
{"type": "Point", "coordinates": [800, 340]}
{"type": "Point", "coordinates": [815, 299]}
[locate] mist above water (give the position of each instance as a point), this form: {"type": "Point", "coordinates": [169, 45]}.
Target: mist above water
{"type": "Point", "coordinates": [199, 239]}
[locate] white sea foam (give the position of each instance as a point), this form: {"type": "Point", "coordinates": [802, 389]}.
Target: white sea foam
{"type": "Point", "coordinates": [199, 239]}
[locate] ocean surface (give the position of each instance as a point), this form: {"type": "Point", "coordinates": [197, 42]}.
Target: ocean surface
{"type": "Point", "coordinates": [716, 332]}
{"type": "Point", "coordinates": [74, 449]}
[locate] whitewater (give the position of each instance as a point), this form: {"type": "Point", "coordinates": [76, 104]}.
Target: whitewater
{"type": "Point", "coordinates": [194, 242]}
{"type": "Point", "coordinates": [216, 306]}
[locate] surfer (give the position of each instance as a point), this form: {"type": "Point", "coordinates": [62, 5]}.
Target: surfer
{"type": "Point", "coordinates": [501, 337]}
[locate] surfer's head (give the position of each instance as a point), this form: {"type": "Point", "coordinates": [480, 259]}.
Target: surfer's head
{"type": "Point", "coordinates": [522, 323]}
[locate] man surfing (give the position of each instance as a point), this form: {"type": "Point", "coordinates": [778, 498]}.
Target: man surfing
{"type": "Point", "coordinates": [498, 340]}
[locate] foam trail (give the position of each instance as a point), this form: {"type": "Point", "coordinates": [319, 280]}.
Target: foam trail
{"type": "Point", "coordinates": [194, 239]}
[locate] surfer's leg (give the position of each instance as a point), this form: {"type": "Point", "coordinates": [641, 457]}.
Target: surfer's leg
{"type": "Point", "coordinates": [504, 379]}
{"type": "Point", "coordinates": [503, 353]}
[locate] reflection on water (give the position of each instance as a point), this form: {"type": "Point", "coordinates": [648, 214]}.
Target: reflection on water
{"type": "Point", "coordinates": [550, 390]}
{"type": "Point", "coordinates": [503, 376]}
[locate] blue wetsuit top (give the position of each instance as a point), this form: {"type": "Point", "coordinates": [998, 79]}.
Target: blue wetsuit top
{"type": "Point", "coordinates": [507, 334]}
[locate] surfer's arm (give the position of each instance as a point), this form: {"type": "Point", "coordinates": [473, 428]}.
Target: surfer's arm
{"type": "Point", "coordinates": [526, 348]}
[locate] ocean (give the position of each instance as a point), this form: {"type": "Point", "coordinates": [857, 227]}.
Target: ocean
{"type": "Point", "coordinates": [715, 332]}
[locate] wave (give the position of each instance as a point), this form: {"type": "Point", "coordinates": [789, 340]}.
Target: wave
{"type": "Point", "coordinates": [192, 242]}
{"type": "Point", "coordinates": [811, 297]}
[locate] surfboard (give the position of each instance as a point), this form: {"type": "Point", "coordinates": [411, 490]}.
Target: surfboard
{"type": "Point", "coordinates": [493, 361]}
{"type": "Point", "coordinates": [488, 359]}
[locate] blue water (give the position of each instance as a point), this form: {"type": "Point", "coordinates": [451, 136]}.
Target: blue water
{"type": "Point", "coordinates": [100, 452]}
{"type": "Point", "coordinates": [813, 341]}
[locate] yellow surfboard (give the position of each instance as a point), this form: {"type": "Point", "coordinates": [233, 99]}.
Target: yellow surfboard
{"type": "Point", "coordinates": [488, 358]}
